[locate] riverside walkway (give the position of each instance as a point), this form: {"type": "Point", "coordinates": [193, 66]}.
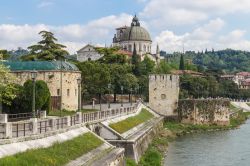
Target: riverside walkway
{"type": "Point", "coordinates": [49, 126]}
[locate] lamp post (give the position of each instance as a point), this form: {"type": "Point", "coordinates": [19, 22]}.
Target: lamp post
{"type": "Point", "coordinates": [33, 76]}
{"type": "Point", "coordinates": [79, 80]}
{"type": "Point", "coordinates": [122, 96]}
{"type": "Point", "coordinates": [136, 92]}
{"type": "Point", "coordinates": [131, 95]}
{"type": "Point", "coordinates": [109, 87]}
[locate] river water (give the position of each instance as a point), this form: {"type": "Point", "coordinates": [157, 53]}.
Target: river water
{"type": "Point", "coordinates": [220, 148]}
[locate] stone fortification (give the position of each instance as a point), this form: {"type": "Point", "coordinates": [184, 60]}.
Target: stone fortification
{"type": "Point", "coordinates": [204, 111]}
{"type": "Point", "coordinates": [164, 93]}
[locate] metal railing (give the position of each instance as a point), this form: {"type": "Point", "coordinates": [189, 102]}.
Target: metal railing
{"type": "Point", "coordinates": [44, 126]}
{"type": "Point", "coordinates": [103, 115]}
{"type": "Point", "coordinates": [2, 131]}
{"type": "Point", "coordinates": [61, 123]}
{"type": "Point", "coordinates": [20, 116]}
{"type": "Point", "coordinates": [22, 129]}
{"type": "Point", "coordinates": [26, 128]}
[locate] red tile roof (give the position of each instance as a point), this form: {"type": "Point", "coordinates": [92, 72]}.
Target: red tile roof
{"type": "Point", "coordinates": [124, 52]}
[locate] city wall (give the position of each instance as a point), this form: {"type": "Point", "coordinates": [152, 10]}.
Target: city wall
{"type": "Point", "coordinates": [204, 111]}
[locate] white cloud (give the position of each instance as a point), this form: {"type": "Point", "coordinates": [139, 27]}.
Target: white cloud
{"type": "Point", "coordinates": [44, 4]}
{"type": "Point", "coordinates": [204, 37]}
{"type": "Point", "coordinates": [162, 13]}
{"type": "Point", "coordinates": [74, 36]}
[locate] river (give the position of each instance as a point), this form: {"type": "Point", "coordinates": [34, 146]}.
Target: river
{"type": "Point", "coordinates": [220, 148]}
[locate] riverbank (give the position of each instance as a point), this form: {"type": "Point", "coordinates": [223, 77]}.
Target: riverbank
{"type": "Point", "coordinates": [156, 151]}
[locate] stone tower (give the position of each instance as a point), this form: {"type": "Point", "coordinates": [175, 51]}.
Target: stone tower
{"type": "Point", "coordinates": [164, 93]}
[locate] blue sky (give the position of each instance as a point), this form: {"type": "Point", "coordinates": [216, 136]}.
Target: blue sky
{"type": "Point", "coordinates": [198, 24]}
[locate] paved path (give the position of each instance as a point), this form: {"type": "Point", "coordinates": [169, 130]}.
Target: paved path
{"type": "Point", "coordinates": [10, 149]}
{"type": "Point", "coordinates": [104, 106]}
{"type": "Point", "coordinates": [242, 105]}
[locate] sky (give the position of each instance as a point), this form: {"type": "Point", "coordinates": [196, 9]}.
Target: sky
{"type": "Point", "coordinates": [196, 24]}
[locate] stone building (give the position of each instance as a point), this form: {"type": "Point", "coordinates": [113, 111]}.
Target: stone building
{"type": "Point", "coordinates": [128, 37]}
{"type": "Point", "coordinates": [164, 93]}
{"type": "Point", "coordinates": [50, 72]}
{"type": "Point", "coordinates": [88, 53]}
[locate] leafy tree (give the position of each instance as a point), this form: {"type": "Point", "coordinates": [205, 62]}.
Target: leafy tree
{"type": "Point", "coordinates": [95, 78]}
{"type": "Point", "coordinates": [182, 66]}
{"type": "Point", "coordinates": [4, 54]}
{"type": "Point", "coordinates": [46, 49]}
{"type": "Point", "coordinates": [164, 68]}
{"type": "Point", "coordinates": [22, 103]}
{"type": "Point", "coordinates": [111, 56]}
{"type": "Point", "coordinates": [42, 95]}
{"type": "Point", "coordinates": [118, 73]}
{"type": "Point", "coordinates": [146, 66]}
{"type": "Point", "coordinates": [7, 89]}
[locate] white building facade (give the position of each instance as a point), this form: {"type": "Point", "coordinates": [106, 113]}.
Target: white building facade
{"type": "Point", "coordinates": [88, 53]}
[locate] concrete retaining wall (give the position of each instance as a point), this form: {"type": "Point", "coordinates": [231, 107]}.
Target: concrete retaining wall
{"type": "Point", "coordinates": [138, 143]}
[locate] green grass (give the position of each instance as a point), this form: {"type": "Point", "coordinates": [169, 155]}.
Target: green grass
{"type": "Point", "coordinates": [131, 122]}
{"type": "Point", "coordinates": [242, 117]}
{"type": "Point", "coordinates": [56, 155]}
{"type": "Point", "coordinates": [130, 162]}
{"type": "Point", "coordinates": [152, 157]}
{"type": "Point", "coordinates": [64, 113]}
{"type": "Point", "coordinates": [180, 127]}
{"type": "Point", "coordinates": [69, 113]}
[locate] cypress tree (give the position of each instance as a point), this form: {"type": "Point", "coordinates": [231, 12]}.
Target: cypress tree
{"type": "Point", "coordinates": [182, 66]}
{"type": "Point", "coordinates": [135, 60]}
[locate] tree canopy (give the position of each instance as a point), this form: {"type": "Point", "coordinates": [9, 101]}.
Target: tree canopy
{"type": "Point", "coordinates": [7, 88]}
{"type": "Point", "coordinates": [22, 102]}
{"type": "Point", "coordinates": [46, 49]}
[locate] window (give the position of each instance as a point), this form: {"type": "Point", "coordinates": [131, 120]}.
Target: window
{"type": "Point", "coordinates": [130, 48]}
{"type": "Point", "coordinates": [75, 92]}
{"type": "Point", "coordinates": [58, 92]}
{"type": "Point", "coordinates": [163, 96]}
{"type": "Point", "coordinates": [68, 92]}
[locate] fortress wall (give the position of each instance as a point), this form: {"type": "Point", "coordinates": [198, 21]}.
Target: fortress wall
{"type": "Point", "coordinates": [204, 111]}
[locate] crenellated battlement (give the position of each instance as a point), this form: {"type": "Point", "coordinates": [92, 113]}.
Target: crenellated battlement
{"type": "Point", "coordinates": [163, 77]}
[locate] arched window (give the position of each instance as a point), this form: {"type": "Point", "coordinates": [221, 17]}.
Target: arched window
{"type": "Point", "coordinates": [144, 48]}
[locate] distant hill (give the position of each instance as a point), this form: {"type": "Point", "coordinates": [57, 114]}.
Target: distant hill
{"type": "Point", "coordinates": [228, 60]}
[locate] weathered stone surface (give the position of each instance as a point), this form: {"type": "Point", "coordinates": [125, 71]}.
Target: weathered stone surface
{"type": "Point", "coordinates": [164, 93]}
{"type": "Point", "coordinates": [204, 111]}
{"type": "Point", "coordinates": [53, 80]}
{"type": "Point", "coordinates": [3, 118]}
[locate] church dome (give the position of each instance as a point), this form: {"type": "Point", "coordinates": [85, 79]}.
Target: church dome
{"type": "Point", "coordinates": [135, 32]}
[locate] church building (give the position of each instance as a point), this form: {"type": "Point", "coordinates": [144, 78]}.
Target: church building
{"type": "Point", "coordinates": [135, 36]}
